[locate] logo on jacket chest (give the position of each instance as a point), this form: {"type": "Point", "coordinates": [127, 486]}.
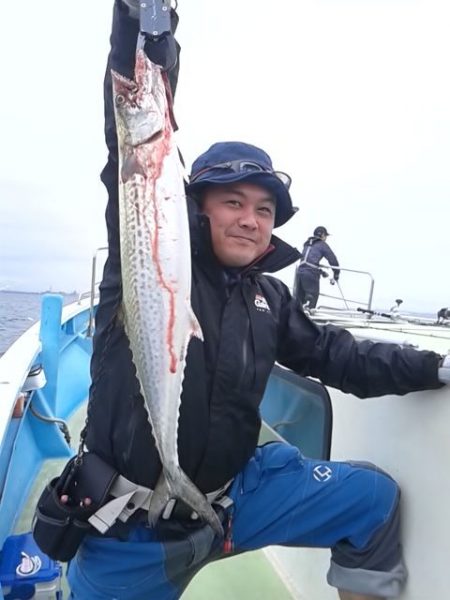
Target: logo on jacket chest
{"type": "Point", "coordinates": [261, 304]}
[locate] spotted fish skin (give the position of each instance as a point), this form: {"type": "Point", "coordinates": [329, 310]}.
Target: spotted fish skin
{"type": "Point", "coordinates": [156, 269]}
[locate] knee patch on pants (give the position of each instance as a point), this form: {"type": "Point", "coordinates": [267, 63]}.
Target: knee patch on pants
{"type": "Point", "coordinates": [377, 568]}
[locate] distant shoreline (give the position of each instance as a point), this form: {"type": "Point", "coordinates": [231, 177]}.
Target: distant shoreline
{"type": "Point", "coordinates": [74, 293]}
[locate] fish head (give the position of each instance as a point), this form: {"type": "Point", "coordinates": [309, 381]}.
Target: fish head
{"type": "Point", "coordinates": [140, 105]}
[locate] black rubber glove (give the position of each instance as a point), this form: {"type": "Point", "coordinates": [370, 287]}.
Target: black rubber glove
{"type": "Point", "coordinates": [444, 370]}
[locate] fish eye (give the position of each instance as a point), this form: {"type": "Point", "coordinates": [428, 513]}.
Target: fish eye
{"type": "Point", "coordinates": [120, 99]}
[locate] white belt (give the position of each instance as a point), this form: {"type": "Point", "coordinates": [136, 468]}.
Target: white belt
{"type": "Point", "coordinates": [129, 497]}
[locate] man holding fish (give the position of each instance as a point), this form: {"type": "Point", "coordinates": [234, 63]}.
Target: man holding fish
{"type": "Point", "coordinates": [188, 329]}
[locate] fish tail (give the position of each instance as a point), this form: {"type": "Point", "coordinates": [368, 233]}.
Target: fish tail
{"type": "Point", "coordinates": [160, 497]}
{"type": "Point", "coordinates": [183, 488]}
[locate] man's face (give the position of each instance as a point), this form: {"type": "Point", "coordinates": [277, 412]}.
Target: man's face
{"type": "Point", "coordinates": [242, 216]}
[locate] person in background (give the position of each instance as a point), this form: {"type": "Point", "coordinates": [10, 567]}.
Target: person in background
{"type": "Point", "coordinates": [443, 315]}
{"type": "Point", "coordinates": [265, 495]}
{"type": "Point", "coordinates": [308, 273]}
{"type": "Point", "coordinates": [396, 307]}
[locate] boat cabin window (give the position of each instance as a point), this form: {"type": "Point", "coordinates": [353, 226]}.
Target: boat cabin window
{"type": "Point", "coordinates": [297, 410]}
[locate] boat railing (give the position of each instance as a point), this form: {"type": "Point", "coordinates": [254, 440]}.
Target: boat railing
{"type": "Point", "coordinates": [367, 303]}
{"type": "Point", "coordinates": [92, 293]}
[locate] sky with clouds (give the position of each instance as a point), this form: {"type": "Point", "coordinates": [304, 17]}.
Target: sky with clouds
{"type": "Point", "coordinates": [351, 97]}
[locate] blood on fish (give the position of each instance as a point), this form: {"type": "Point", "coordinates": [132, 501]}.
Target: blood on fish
{"type": "Point", "coordinates": [159, 152]}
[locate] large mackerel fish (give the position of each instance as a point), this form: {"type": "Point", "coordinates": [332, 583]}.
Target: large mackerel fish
{"type": "Point", "coordinates": [156, 269]}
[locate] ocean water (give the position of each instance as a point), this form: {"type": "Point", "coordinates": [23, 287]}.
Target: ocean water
{"type": "Point", "coordinates": [18, 311]}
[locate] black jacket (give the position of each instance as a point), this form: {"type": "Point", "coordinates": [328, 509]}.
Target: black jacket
{"type": "Point", "coordinates": [314, 250]}
{"type": "Point", "coordinates": [249, 321]}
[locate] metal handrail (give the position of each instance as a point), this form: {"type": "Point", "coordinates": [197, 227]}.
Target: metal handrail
{"type": "Point", "coordinates": [346, 269]}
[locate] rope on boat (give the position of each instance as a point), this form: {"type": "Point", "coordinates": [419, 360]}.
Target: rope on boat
{"type": "Point", "coordinates": [61, 424]}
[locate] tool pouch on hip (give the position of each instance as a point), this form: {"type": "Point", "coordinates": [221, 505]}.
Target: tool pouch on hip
{"type": "Point", "coordinates": [58, 528]}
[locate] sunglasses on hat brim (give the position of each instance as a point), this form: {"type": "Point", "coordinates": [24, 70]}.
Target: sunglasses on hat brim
{"type": "Point", "coordinates": [242, 167]}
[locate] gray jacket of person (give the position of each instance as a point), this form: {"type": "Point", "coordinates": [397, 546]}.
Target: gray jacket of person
{"type": "Point", "coordinates": [314, 250]}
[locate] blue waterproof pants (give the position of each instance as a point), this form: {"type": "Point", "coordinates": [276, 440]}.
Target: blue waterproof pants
{"type": "Point", "coordinates": [280, 498]}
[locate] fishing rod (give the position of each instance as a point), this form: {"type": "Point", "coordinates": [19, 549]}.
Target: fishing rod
{"type": "Point", "coordinates": [375, 313]}
{"type": "Point", "coordinates": [343, 297]}
{"type": "Point", "coordinates": [399, 318]}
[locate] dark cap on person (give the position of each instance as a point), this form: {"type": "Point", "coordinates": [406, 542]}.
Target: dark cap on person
{"type": "Point", "coordinates": [227, 162]}
{"type": "Point", "coordinates": [318, 231]}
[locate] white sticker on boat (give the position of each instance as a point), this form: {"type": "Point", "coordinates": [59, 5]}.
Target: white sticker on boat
{"type": "Point", "coordinates": [29, 565]}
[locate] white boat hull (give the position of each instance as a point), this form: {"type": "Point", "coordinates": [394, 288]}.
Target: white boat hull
{"type": "Point", "coordinates": [408, 437]}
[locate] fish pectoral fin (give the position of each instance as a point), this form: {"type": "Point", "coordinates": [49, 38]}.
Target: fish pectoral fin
{"type": "Point", "coordinates": [130, 167]}
{"type": "Point", "coordinates": [196, 330]}
{"type": "Point", "coordinates": [160, 497]}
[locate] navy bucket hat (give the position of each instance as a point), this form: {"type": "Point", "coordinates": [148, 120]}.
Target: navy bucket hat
{"type": "Point", "coordinates": [226, 162]}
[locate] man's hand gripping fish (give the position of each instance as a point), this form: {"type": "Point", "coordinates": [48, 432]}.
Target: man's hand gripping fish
{"type": "Point", "coordinates": [156, 269]}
